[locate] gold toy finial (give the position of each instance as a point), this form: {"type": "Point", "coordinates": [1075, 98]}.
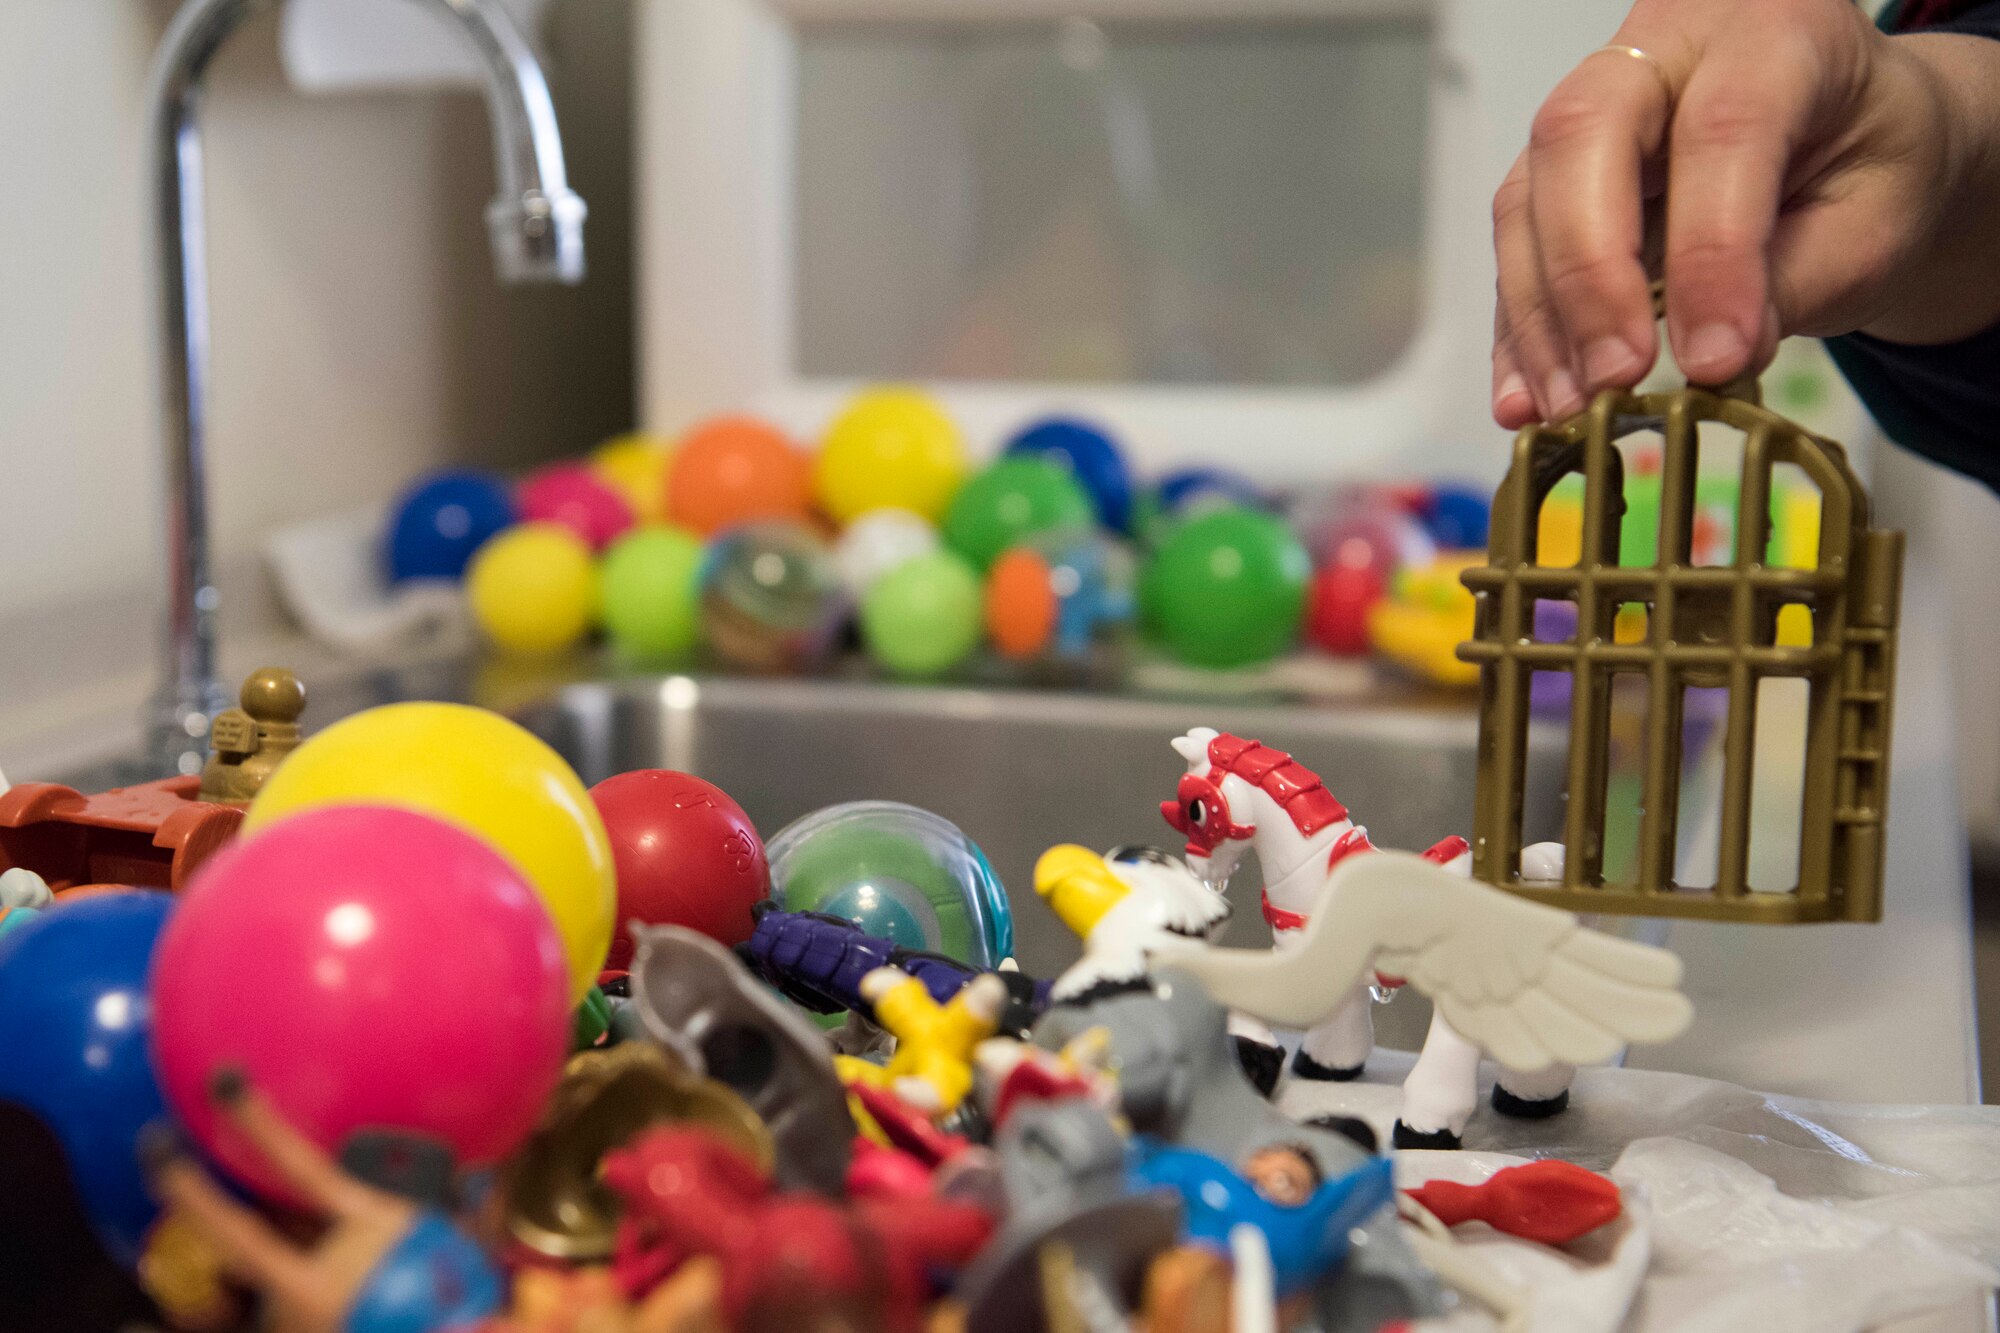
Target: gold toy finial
{"type": "Point", "coordinates": [251, 741]}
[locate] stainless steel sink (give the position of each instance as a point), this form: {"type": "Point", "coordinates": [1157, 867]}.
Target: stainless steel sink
{"type": "Point", "coordinates": [1017, 769]}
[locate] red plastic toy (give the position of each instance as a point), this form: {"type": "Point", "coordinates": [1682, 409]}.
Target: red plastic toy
{"type": "Point", "coordinates": [686, 855]}
{"type": "Point", "coordinates": [154, 835]}
{"type": "Point", "coordinates": [783, 1255]}
{"type": "Point", "coordinates": [1551, 1202]}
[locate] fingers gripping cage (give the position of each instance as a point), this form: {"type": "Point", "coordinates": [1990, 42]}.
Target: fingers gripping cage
{"type": "Point", "coordinates": [1705, 626]}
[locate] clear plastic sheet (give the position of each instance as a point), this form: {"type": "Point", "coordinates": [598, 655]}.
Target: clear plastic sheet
{"type": "Point", "coordinates": [1749, 1211]}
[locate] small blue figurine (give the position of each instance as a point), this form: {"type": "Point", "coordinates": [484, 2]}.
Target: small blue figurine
{"type": "Point", "coordinates": [1307, 1220]}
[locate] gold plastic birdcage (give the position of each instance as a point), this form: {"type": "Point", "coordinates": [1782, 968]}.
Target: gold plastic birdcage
{"type": "Point", "coordinates": [1704, 625]}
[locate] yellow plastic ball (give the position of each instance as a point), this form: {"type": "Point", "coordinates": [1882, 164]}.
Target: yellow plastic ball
{"type": "Point", "coordinates": [890, 448]}
{"type": "Point", "coordinates": [481, 773]}
{"type": "Point", "coordinates": [636, 465]}
{"type": "Point", "coordinates": [533, 589]}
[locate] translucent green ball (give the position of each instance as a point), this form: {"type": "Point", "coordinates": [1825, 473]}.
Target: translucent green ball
{"type": "Point", "coordinates": [651, 590]}
{"type": "Point", "coordinates": [923, 617]}
{"type": "Point", "coordinates": [1006, 502]}
{"type": "Point", "coordinates": [1227, 589]}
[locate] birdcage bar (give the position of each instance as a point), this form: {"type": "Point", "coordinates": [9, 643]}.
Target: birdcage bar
{"type": "Point", "coordinates": [1666, 693]}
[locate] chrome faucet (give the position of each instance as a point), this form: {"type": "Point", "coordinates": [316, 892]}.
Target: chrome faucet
{"type": "Point", "coordinates": [536, 226]}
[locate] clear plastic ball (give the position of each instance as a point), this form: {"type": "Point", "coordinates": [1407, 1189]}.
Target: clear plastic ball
{"type": "Point", "coordinates": [771, 597]}
{"type": "Point", "coordinates": [898, 872]}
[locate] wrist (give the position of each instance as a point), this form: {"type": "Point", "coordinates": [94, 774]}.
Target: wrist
{"type": "Point", "coordinates": [1950, 289]}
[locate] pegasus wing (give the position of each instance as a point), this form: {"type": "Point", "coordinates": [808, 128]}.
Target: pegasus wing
{"type": "Point", "coordinates": [1528, 984]}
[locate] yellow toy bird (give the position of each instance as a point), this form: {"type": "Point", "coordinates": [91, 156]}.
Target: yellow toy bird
{"type": "Point", "coordinates": [932, 1065]}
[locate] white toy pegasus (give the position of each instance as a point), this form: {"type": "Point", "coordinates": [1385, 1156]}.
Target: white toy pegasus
{"type": "Point", "coordinates": [1239, 793]}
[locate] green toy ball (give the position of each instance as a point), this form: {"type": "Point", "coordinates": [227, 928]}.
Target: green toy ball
{"type": "Point", "coordinates": [651, 585]}
{"type": "Point", "coordinates": [1227, 589]}
{"type": "Point", "coordinates": [1016, 496]}
{"type": "Point", "coordinates": [922, 618]}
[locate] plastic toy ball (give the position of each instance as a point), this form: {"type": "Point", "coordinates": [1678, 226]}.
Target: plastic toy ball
{"type": "Point", "coordinates": [877, 542]}
{"type": "Point", "coordinates": [922, 618]}
{"type": "Point", "coordinates": [1458, 517]}
{"type": "Point", "coordinates": [578, 498]}
{"type": "Point", "coordinates": [437, 524]}
{"type": "Point", "coordinates": [891, 448]}
{"type": "Point", "coordinates": [1014, 497]}
{"type": "Point", "coordinates": [365, 968]}
{"type": "Point", "coordinates": [1337, 609]}
{"type": "Point", "coordinates": [734, 469]}
{"type": "Point", "coordinates": [771, 597]}
{"type": "Point", "coordinates": [73, 1047]}
{"type": "Point", "coordinates": [687, 855]}
{"type": "Point", "coordinates": [1189, 493]}
{"type": "Point", "coordinates": [1228, 589]}
{"type": "Point", "coordinates": [651, 588]}
{"type": "Point", "coordinates": [1058, 593]}
{"type": "Point", "coordinates": [636, 466]}
{"type": "Point", "coordinates": [482, 773]}
{"type": "Point", "coordinates": [898, 872]}
{"type": "Point", "coordinates": [533, 589]}
{"type": "Point", "coordinates": [1091, 458]}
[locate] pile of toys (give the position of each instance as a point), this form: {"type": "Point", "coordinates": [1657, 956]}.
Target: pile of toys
{"type": "Point", "coordinates": [443, 1040]}
{"type": "Point", "coordinates": [738, 543]}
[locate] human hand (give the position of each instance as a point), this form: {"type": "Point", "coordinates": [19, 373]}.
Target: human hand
{"type": "Point", "coordinates": [1813, 176]}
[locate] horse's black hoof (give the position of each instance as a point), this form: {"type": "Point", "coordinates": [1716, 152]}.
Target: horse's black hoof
{"type": "Point", "coordinates": [1529, 1108]}
{"type": "Point", "coordinates": [1351, 1127]}
{"type": "Point", "coordinates": [1261, 1061]}
{"type": "Point", "coordinates": [1305, 1066]}
{"type": "Point", "coordinates": [1438, 1140]}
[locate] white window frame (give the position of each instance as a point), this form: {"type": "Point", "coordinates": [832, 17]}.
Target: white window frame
{"type": "Point", "coordinates": [715, 153]}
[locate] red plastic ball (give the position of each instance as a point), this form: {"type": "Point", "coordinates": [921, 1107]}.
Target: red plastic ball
{"type": "Point", "coordinates": [686, 855]}
{"type": "Point", "coordinates": [1337, 607]}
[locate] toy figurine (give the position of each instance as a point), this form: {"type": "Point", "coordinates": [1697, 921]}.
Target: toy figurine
{"type": "Point", "coordinates": [1527, 984]}
{"type": "Point", "coordinates": [1306, 1218]}
{"type": "Point", "coordinates": [1121, 907]}
{"type": "Point", "coordinates": [1238, 793]}
{"type": "Point", "coordinates": [818, 960]}
{"type": "Point", "coordinates": [250, 742]}
{"type": "Point", "coordinates": [556, 1205]}
{"type": "Point", "coordinates": [382, 1264]}
{"type": "Point", "coordinates": [697, 1000]}
{"type": "Point", "coordinates": [1178, 1079]}
{"type": "Point", "coordinates": [789, 1260]}
{"type": "Point", "coordinates": [931, 1068]}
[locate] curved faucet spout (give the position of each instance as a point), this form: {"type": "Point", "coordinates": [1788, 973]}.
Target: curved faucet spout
{"type": "Point", "coordinates": [535, 223]}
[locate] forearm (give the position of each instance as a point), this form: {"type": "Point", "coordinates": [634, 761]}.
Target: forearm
{"type": "Point", "coordinates": [1951, 290]}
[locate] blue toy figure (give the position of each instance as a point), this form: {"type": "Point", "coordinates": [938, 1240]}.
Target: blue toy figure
{"type": "Point", "coordinates": [1306, 1221]}
{"type": "Point", "coordinates": [74, 1023]}
{"type": "Point", "coordinates": [1457, 516]}
{"type": "Point", "coordinates": [442, 520]}
{"type": "Point", "coordinates": [1091, 456]}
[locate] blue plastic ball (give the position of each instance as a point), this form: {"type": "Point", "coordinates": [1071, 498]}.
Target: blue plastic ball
{"type": "Point", "coordinates": [1207, 487]}
{"type": "Point", "coordinates": [1458, 517]}
{"type": "Point", "coordinates": [1091, 456]}
{"type": "Point", "coordinates": [75, 1018]}
{"type": "Point", "coordinates": [441, 521]}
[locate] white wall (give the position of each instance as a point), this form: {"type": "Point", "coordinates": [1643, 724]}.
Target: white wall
{"type": "Point", "coordinates": [359, 336]}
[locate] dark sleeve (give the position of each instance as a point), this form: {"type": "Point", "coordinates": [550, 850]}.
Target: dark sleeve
{"type": "Point", "coordinates": [1940, 401]}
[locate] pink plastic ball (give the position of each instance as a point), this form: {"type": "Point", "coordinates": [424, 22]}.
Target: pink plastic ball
{"type": "Point", "coordinates": [576, 497]}
{"type": "Point", "coordinates": [366, 967]}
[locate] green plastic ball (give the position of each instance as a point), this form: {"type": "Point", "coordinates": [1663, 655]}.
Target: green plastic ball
{"type": "Point", "coordinates": [1227, 589]}
{"type": "Point", "coordinates": [1006, 502]}
{"type": "Point", "coordinates": [651, 590]}
{"type": "Point", "coordinates": [923, 617]}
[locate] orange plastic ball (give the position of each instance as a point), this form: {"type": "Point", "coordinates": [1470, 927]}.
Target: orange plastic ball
{"type": "Point", "coordinates": [733, 469]}
{"type": "Point", "coordinates": [1021, 605]}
